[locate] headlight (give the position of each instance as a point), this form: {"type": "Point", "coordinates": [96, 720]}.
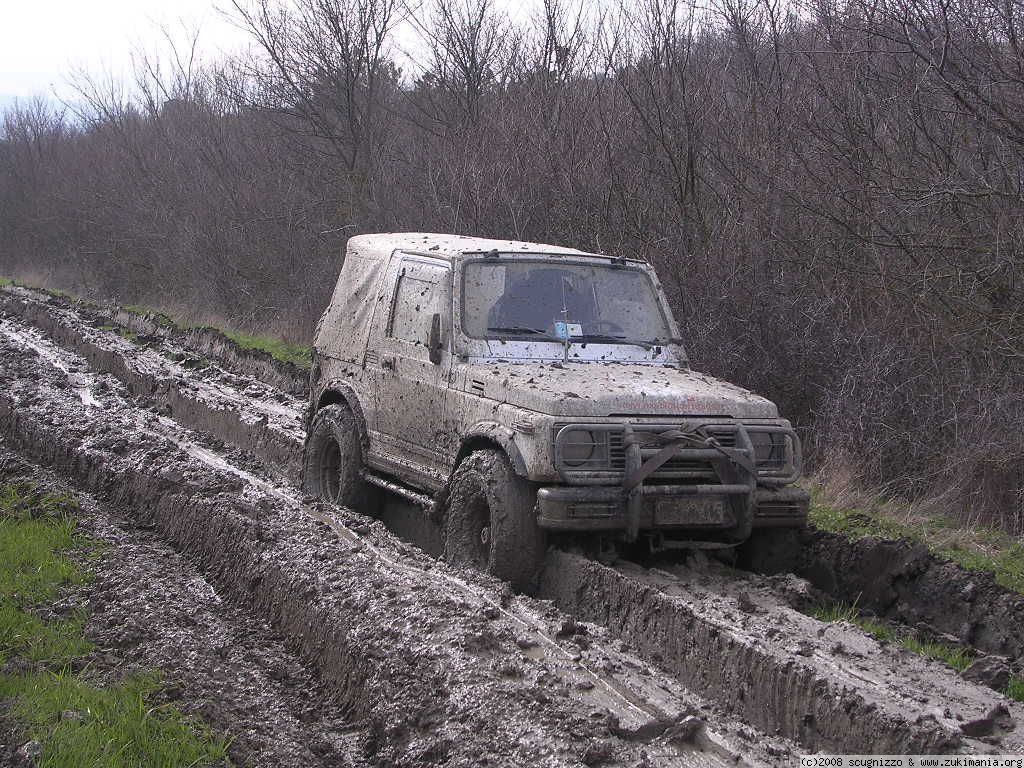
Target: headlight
{"type": "Point", "coordinates": [581, 447]}
{"type": "Point", "coordinates": [770, 450]}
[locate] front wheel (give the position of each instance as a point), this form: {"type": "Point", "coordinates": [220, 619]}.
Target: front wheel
{"type": "Point", "coordinates": [333, 461]}
{"type": "Point", "coordinates": [491, 523]}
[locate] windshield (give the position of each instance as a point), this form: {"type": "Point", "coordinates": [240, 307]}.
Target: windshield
{"type": "Point", "coordinates": [542, 301]}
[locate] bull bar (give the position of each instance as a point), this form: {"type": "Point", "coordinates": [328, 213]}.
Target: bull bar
{"type": "Point", "coordinates": [648, 447]}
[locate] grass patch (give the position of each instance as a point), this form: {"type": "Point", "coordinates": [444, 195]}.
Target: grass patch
{"type": "Point", "coordinates": [158, 317]}
{"type": "Point", "coordinates": [1015, 690]}
{"type": "Point", "coordinates": [973, 549]}
{"type": "Point", "coordinates": [296, 354]}
{"type": "Point", "coordinates": [5, 281]}
{"type": "Point", "coordinates": [952, 655]}
{"type": "Point", "coordinates": [76, 721]}
{"type": "Point", "coordinates": [117, 726]}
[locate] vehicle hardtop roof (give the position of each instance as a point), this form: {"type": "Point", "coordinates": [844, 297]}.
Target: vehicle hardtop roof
{"type": "Point", "coordinates": [448, 246]}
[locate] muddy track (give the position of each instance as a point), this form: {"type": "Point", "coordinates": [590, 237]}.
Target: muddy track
{"type": "Point", "coordinates": [150, 608]}
{"type": "Point", "coordinates": [825, 687]}
{"type": "Point", "coordinates": [436, 668]}
{"type": "Point", "coordinates": [238, 409]}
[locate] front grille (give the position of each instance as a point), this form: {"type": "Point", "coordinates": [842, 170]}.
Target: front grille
{"type": "Point", "coordinates": [674, 469]}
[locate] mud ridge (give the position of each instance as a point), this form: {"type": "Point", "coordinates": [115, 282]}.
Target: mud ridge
{"type": "Point", "coordinates": [235, 420]}
{"type": "Point", "coordinates": [829, 687]}
{"type": "Point", "coordinates": [204, 340]}
{"type": "Point", "coordinates": [902, 581]}
{"type": "Point", "coordinates": [262, 366]}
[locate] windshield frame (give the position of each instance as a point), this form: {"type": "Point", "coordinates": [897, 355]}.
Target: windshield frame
{"type": "Point", "coordinates": [561, 259]}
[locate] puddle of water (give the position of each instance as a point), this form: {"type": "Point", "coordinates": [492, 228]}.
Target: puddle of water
{"type": "Point", "coordinates": [81, 383]}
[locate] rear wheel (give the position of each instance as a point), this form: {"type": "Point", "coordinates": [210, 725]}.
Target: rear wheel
{"type": "Point", "coordinates": [491, 523]}
{"type": "Point", "coordinates": [333, 461]}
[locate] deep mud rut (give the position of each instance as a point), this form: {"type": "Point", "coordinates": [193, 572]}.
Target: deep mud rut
{"type": "Point", "coordinates": [150, 608]}
{"type": "Point", "coordinates": [428, 665]}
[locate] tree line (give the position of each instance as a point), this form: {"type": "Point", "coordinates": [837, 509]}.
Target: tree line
{"type": "Point", "coordinates": [830, 190]}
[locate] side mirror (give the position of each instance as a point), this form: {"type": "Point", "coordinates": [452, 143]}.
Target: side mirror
{"type": "Point", "coordinates": [434, 344]}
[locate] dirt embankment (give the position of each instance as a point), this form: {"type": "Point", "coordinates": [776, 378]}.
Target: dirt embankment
{"type": "Point", "coordinates": [902, 581]}
{"type": "Point", "coordinates": [828, 686]}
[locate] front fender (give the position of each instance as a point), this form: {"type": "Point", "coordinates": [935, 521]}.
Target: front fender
{"type": "Point", "coordinates": [490, 433]}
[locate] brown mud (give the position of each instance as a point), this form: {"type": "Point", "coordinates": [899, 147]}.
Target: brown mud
{"type": "Point", "coordinates": [823, 686]}
{"type": "Point", "coordinates": [150, 608]}
{"type": "Point", "coordinates": [432, 667]}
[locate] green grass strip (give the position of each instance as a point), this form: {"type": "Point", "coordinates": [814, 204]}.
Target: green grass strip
{"type": "Point", "coordinates": [296, 354]}
{"type": "Point", "coordinates": [81, 724]}
{"type": "Point", "coordinates": [77, 722]}
{"type": "Point", "coordinates": [1015, 690]}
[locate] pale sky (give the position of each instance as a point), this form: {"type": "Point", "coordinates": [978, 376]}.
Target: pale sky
{"type": "Point", "coordinates": [43, 41]}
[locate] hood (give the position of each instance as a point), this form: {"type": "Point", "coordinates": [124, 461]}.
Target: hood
{"type": "Point", "coordinates": [604, 389]}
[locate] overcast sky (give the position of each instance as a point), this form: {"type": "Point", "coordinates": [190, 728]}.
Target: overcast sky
{"type": "Point", "coordinates": [42, 41]}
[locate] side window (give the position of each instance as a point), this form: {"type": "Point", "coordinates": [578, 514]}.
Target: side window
{"type": "Point", "coordinates": [418, 295]}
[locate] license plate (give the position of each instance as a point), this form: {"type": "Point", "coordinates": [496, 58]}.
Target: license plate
{"type": "Point", "coordinates": [691, 512]}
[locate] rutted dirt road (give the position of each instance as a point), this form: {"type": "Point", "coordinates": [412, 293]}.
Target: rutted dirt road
{"type": "Point", "coordinates": [424, 664]}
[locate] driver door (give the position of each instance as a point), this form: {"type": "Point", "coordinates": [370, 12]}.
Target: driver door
{"type": "Point", "coordinates": [411, 390]}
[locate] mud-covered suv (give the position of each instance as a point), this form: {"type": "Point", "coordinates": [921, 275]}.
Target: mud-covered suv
{"type": "Point", "coordinates": [514, 390]}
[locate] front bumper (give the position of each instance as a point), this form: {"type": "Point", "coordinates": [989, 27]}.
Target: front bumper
{"type": "Point", "coordinates": [736, 495]}
{"type": "Point", "coordinates": [667, 508]}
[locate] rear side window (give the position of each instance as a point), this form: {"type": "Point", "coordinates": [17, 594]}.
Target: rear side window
{"type": "Point", "coordinates": [418, 296]}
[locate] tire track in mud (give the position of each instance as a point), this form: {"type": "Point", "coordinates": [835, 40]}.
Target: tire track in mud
{"type": "Point", "coordinates": [769, 679]}
{"type": "Point", "coordinates": [827, 686]}
{"type": "Point", "coordinates": [434, 673]}
{"type": "Point", "coordinates": [150, 608]}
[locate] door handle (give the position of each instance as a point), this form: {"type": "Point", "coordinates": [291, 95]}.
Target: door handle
{"type": "Point", "coordinates": [388, 362]}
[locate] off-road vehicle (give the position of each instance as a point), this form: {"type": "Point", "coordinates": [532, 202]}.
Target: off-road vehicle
{"type": "Point", "coordinates": [517, 390]}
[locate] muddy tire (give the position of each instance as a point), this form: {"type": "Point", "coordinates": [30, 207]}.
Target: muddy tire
{"type": "Point", "coordinates": [333, 461]}
{"type": "Point", "coordinates": [490, 522]}
{"type": "Point", "coordinates": [770, 550]}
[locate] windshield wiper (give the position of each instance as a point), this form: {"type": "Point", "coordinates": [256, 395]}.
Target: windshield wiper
{"type": "Point", "coordinates": [519, 329]}
{"type": "Point", "coordinates": [609, 339]}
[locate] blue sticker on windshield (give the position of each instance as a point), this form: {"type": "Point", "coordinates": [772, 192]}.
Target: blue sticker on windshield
{"type": "Point", "coordinates": [568, 330]}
